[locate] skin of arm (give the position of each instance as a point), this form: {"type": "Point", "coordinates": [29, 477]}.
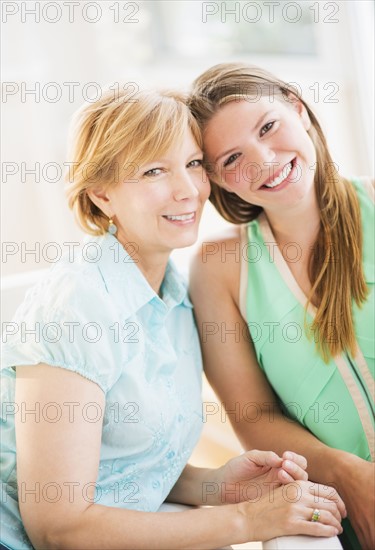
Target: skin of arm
{"type": "Point", "coordinates": [232, 370]}
{"type": "Point", "coordinates": [59, 460]}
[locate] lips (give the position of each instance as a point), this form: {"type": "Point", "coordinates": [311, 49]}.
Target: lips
{"type": "Point", "coordinates": [280, 176]}
{"type": "Point", "coordinates": [180, 217]}
{"type": "Point", "coordinates": [181, 220]}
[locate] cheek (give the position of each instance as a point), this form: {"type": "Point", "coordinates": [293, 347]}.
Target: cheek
{"type": "Point", "coordinates": [306, 148]}
{"type": "Point", "coordinates": [230, 177]}
{"type": "Point", "coordinates": [297, 139]}
{"type": "Point", "coordinates": [245, 175]}
{"type": "Point", "coordinates": [152, 198]}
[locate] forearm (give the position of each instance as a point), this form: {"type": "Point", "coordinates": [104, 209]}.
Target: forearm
{"type": "Point", "coordinates": [279, 434]}
{"type": "Point", "coordinates": [196, 486]}
{"type": "Point", "coordinates": [118, 529]}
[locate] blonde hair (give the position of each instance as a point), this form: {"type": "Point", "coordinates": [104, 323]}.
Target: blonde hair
{"type": "Point", "coordinates": [116, 134]}
{"type": "Point", "coordinates": [336, 260]}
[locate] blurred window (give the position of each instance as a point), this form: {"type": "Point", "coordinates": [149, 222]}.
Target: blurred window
{"type": "Point", "coordinates": [184, 29]}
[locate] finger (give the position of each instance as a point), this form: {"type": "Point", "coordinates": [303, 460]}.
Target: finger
{"type": "Point", "coordinates": [328, 505]}
{"type": "Point", "coordinates": [328, 494]}
{"type": "Point", "coordinates": [340, 505]}
{"type": "Point", "coordinates": [265, 458]}
{"type": "Point", "coordinates": [325, 518]}
{"type": "Point", "coordinates": [284, 477]}
{"type": "Point", "coordinates": [295, 471]}
{"type": "Point", "coordinates": [316, 529]}
{"type": "Point", "coordinates": [298, 459]}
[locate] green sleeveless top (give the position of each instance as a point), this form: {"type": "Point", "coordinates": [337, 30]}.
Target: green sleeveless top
{"type": "Point", "coordinates": [334, 401]}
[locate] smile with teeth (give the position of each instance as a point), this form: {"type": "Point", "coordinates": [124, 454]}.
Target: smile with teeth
{"type": "Point", "coordinates": [182, 217]}
{"type": "Point", "coordinates": [281, 177]}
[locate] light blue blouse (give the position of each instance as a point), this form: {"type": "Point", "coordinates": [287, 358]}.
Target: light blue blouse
{"type": "Point", "coordinates": [97, 315]}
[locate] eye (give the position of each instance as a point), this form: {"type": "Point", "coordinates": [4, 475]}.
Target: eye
{"type": "Point", "coordinates": [266, 128]}
{"type": "Point", "coordinates": [231, 159]}
{"type": "Point", "coordinates": [153, 172]}
{"type": "Point", "coordinates": [195, 163]}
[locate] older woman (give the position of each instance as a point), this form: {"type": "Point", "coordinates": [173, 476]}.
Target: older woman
{"type": "Point", "coordinates": [102, 381]}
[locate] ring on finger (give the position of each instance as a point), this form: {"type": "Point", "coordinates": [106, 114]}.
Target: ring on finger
{"type": "Point", "coordinates": [315, 515]}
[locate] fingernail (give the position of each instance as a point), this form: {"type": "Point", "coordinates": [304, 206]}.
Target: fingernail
{"type": "Point", "coordinates": [289, 464]}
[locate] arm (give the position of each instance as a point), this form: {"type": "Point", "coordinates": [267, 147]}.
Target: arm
{"type": "Point", "coordinates": [357, 488]}
{"type": "Point", "coordinates": [67, 452]}
{"type": "Point", "coordinates": [232, 370]}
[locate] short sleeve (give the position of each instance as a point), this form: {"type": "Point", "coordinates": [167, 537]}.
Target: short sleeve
{"type": "Point", "coordinates": [65, 321]}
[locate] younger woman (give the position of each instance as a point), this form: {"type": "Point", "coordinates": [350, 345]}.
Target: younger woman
{"type": "Point", "coordinates": [298, 272]}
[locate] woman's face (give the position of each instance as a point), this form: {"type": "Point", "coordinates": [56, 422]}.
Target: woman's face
{"type": "Point", "coordinates": [261, 151]}
{"type": "Point", "coordinates": [160, 206]}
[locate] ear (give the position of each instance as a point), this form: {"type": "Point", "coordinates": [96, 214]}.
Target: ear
{"type": "Point", "coordinates": [99, 197]}
{"type": "Point", "coordinates": [303, 114]}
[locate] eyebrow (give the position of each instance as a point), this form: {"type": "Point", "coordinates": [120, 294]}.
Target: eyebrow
{"type": "Point", "coordinates": [197, 153]}
{"type": "Point", "coordinates": [163, 160]}
{"type": "Point", "coordinates": [234, 148]}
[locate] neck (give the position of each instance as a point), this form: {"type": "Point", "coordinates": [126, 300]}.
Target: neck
{"type": "Point", "coordinates": [153, 272]}
{"type": "Point", "coordinates": [151, 265]}
{"type": "Point", "coordinates": [299, 224]}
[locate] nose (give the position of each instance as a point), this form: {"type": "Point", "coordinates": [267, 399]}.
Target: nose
{"type": "Point", "coordinates": [185, 186]}
{"type": "Point", "coordinates": [260, 159]}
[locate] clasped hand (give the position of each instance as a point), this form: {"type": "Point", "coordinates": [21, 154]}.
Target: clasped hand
{"type": "Point", "coordinates": [253, 474]}
{"type": "Point", "coordinates": [253, 482]}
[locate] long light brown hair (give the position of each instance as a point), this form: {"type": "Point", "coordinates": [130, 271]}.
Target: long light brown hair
{"type": "Point", "coordinates": [335, 268]}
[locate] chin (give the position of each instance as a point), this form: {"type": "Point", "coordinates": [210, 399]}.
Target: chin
{"type": "Point", "coordinates": [187, 240]}
{"type": "Point", "coordinates": [186, 243]}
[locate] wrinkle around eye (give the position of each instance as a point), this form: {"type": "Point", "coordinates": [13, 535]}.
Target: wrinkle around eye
{"type": "Point", "coordinates": [198, 165]}
{"type": "Point", "coordinates": [151, 173]}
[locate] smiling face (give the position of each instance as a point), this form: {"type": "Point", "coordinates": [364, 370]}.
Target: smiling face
{"type": "Point", "coordinates": [159, 207]}
{"type": "Point", "coordinates": [261, 151]}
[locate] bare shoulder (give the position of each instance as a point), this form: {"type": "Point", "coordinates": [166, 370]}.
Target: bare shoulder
{"type": "Point", "coordinates": [216, 264]}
